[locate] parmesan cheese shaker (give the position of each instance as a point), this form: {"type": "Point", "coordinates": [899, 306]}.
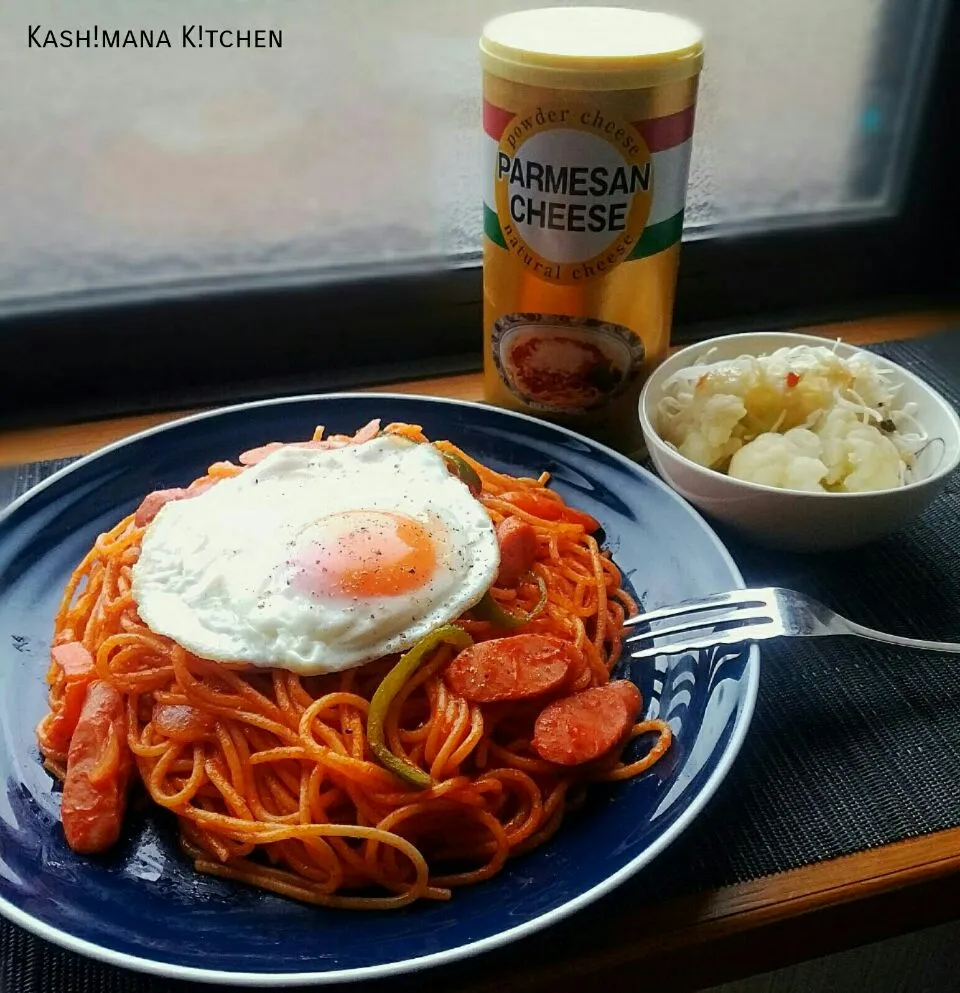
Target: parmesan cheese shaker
{"type": "Point", "coordinates": [588, 122]}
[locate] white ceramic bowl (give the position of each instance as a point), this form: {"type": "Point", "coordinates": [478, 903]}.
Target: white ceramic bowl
{"type": "Point", "coordinates": [791, 519]}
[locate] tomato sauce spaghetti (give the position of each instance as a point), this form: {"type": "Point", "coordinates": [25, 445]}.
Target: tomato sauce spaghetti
{"type": "Point", "coordinates": [272, 775]}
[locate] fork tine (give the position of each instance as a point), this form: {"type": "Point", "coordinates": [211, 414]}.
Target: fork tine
{"type": "Point", "coordinates": [744, 598]}
{"type": "Point", "coordinates": [757, 632]}
{"type": "Point", "coordinates": [697, 622]}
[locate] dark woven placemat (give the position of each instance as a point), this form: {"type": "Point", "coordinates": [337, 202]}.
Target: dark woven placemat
{"type": "Point", "coordinates": [853, 745]}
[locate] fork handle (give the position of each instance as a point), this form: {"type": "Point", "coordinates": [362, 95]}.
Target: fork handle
{"type": "Point", "coordinates": [896, 639]}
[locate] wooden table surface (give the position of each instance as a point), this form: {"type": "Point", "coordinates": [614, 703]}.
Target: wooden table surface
{"type": "Point", "coordinates": [706, 938]}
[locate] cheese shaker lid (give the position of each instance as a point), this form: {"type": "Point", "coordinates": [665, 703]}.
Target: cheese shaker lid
{"type": "Point", "coordinates": [591, 48]}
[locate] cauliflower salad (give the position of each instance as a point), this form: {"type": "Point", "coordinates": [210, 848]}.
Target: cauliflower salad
{"type": "Point", "coordinates": [801, 418]}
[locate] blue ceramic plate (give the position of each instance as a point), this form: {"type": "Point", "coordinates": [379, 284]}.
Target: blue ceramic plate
{"type": "Point", "coordinates": [143, 907]}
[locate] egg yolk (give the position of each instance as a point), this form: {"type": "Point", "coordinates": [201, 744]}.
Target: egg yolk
{"type": "Point", "coordinates": [364, 553]}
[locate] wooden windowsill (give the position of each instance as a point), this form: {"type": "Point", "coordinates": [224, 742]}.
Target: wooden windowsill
{"type": "Point", "coordinates": [62, 441]}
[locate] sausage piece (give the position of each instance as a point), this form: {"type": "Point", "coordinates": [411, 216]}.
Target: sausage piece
{"type": "Point", "coordinates": [99, 764]}
{"type": "Point", "coordinates": [184, 723]}
{"type": "Point", "coordinates": [518, 549]}
{"type": "Point", "coordinates": [74, 659]}
{"type": "Point", "coordinates": [78, 669]}
{"type": "Point", "coordinates": [514, 668]}
{"type": "Point", "coordinates": [582, 727]}
{"type": "Point", "coordinates": [254, 455]}
{"type": "Point", "coordinates": [153, 502]}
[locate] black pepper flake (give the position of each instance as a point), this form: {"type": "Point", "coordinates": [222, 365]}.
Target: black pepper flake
{"type": "Point", "coordinates": [888, 426]}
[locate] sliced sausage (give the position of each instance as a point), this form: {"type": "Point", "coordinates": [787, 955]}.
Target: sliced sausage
{"type": "Point", "coordinates": [99, 764]}
{"type": "Point", "coordinates": [515, 668]}
{"type": "Point", "coordinates": [254, 455]}
{"type": "Point", "coordinates": [518, 550]}
{"type": "Point", "coordinates": [78, 669]}
{"type": "Point", "coordinates": [60, 728]}
{"type": "Point", "coordinates": [154, 502]}
{"type": "Point", "coordinates": [74, 659]}
{"type": "Point", "coordinates": [182, 722]}
{"type": "Point", "coordinates": [582, 727]}
{"type": "Point", "coordinates": [368, 432]}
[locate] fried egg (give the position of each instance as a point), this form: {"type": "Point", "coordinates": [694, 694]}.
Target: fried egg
{"type": "Point", "coordinates": [317, 561]}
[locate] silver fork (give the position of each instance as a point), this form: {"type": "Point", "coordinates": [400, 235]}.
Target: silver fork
{"type": "Point", "coordinates": [751, 615]}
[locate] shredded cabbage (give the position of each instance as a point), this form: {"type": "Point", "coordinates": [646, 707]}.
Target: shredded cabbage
{"type": "Point", "coordinates": [801, 418]}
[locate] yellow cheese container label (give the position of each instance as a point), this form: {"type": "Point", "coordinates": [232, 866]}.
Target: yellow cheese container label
{"type": "Point", "coordinates": [583, 196]}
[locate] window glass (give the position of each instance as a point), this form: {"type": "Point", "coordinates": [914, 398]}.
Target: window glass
{"type": "Point", "coordinates": [358, 139]}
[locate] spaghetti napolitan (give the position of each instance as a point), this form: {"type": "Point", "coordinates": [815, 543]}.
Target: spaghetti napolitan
{"type": "Point", "coordinates": [352, 789]}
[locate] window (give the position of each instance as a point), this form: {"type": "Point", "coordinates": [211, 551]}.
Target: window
{"type": "Point", "coordinates": [349, 145]}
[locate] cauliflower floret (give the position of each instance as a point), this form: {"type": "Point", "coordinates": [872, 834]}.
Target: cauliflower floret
{"type": "Point", "coordinates": [858, 456]}
{"type": "Point", "coordinates": [790, 461]}
{"type": "Point", "coordinates": [703, 431]}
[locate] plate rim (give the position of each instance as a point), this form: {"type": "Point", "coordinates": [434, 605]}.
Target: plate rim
{"type": "Point", "coordinates": [172, 970]}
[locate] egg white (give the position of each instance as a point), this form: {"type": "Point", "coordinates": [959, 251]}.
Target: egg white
{"type": "Point", "coordinates": [213, 572]}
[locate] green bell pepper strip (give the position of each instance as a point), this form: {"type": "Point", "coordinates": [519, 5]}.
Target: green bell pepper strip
{"type": "Point", "coordinates": [489, 610]}
{"type": "Point", "coordinates": [387, 691]}
{"type": "Point", "coordinates": [464, 472]}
